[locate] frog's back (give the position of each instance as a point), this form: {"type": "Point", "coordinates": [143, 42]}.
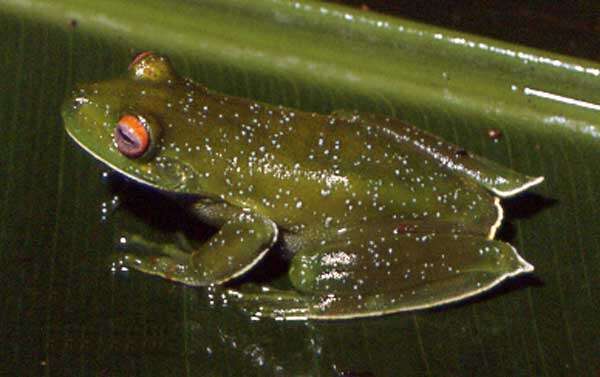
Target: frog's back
{"type": "Point", "coordinates": [297, 167]}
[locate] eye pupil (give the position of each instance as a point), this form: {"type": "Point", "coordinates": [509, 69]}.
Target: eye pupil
{"type": "Point", "coordinates": [131, 137]}
{"type": "Point", "coordinates": [123, 135]}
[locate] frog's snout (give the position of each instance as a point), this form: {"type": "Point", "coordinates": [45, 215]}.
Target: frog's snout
{"type": "Point", "coordinates": [73, 105]}
{"type": "Point", "coordinates": [83, 118]}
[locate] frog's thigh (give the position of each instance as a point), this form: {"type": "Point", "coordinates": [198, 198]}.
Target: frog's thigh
{"type": "Point", "coordinates": [242, 240]}
{"type": "Point", "coordinates": [370, 277]}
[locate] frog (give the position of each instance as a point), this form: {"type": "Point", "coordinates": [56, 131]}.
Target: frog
{"type": "Point", "coordinates": [375, 216]}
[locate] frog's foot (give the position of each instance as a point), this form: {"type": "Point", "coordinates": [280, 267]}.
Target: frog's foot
{"type": "Point", "coordinates": [241, 242]}
{"type": "Point", "coordinates": [362, 278]}
{"type": "Point", "coordinates": [167, 260]}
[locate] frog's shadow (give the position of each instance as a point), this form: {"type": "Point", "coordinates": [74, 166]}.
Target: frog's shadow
{"type": "Point", "coordinates": [158, 210]}
{"type": "Point", "coordinates": [523, 206]}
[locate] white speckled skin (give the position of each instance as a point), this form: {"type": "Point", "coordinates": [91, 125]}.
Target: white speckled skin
{"type": "Point", "coordinates": [381, 216]}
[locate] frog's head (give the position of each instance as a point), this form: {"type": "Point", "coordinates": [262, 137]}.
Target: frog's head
{"type": "Point", "coordinates": [125, 123]}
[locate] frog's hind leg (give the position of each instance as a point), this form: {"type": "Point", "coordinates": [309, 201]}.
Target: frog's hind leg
{"type": "Point", "coordinates": [242, 240]}
{"type": "Point", "coordinates": [499, 179]}
{"type": "Point", "coordinates": [502, 181]}
{"type": "Point", "coordinates": [371, 276]}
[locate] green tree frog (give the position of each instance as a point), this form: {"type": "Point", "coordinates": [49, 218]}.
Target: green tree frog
{"type": "Point", "coordinates": [377, 215]}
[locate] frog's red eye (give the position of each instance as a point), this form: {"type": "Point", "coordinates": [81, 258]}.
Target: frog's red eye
{"type": "Point", "coordinates": [131, 136]}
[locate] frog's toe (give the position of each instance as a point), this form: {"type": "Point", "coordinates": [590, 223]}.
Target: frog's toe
{"type": "Point", "coordinates": [165, 267]}
{"type": "Point", "coordinates": [266, 302]}
{"type": "Point", "coordinates": [137, 242]}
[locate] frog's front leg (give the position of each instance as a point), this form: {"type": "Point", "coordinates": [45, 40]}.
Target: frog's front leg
{"type": "Point", "coordinates": [372, 274]}
{"type": "Point", "coordinates": [242, 240]}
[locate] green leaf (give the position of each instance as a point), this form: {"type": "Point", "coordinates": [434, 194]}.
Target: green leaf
{"type": "Point", "coordinates": [66, 312]}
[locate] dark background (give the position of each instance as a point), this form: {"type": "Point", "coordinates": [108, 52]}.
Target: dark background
{"type": "Point", "coordinates": [566, 27]}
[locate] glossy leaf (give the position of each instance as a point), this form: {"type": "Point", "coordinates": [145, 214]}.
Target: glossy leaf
{"type": "Point", "coordinates": [68, 309]}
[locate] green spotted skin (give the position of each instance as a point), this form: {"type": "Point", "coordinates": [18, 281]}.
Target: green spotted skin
{"type": "Point", "coordinates": [379, 216]}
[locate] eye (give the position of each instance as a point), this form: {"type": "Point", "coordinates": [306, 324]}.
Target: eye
{"type": "Point", "coordinates": [131, 136]}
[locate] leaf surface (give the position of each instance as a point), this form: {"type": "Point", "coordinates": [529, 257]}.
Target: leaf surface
{"type": "Point", "coordinates": [69, 310]}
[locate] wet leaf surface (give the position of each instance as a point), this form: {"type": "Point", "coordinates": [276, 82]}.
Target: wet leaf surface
{"type": "Point", "coordinates": [68, 309]}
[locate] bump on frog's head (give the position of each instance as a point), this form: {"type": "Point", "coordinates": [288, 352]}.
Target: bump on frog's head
{"type": "Point", "coordinates": [148, 66]}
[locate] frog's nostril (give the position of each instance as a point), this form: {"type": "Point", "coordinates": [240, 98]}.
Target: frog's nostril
{"type": "Point", "coordinates": [78, 102]}
{"type": "Point", "coordinates": [72, 107]}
